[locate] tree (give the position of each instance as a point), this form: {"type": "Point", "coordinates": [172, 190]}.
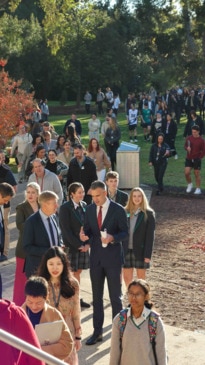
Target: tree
{"type": "Point", "coordinates": [14, 104]}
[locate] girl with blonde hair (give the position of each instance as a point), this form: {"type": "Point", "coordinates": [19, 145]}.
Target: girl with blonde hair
{"type": "Point", "coordinates": [139, 245]}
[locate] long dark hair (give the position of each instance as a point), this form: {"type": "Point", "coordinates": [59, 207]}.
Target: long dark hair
{"type": "Point", "coordinates": [67, 288]}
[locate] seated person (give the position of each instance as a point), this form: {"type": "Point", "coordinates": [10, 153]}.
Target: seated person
{"type": "Point", "coordinates": [38, 311]}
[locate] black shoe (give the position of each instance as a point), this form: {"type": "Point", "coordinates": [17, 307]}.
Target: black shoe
{"type": "Point", "coordinates": [3, 258]}
{"type": "Point", "coordinates": [158, 192]}
{"type": "Point", "coordinates": [94, 339]}
{"type": "Point", "coordinates": [84, 304]}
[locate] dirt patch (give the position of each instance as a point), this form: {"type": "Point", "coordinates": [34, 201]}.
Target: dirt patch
{"type": "Point", "coordinates": [177, 275]}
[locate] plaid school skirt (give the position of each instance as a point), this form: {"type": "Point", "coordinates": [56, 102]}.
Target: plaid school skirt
{"type": "Point", "coordinates": [79, 260]}
{"type": "Point", "coordinates": [132, 262]}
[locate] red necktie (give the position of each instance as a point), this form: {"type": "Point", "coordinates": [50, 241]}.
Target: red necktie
{"type": "Point", "coordinates": [100, 218]}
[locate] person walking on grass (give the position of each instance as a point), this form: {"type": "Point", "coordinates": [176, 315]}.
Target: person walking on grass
{"type": "Point", "coordinates": [132, 123]}
{"type": "Point", "coordinates": [195, 147]}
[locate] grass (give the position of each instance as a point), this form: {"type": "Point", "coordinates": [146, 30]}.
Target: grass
{"type": "Point", "coordinates": [174, 175]}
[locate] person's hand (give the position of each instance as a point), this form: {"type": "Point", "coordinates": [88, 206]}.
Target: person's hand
{"type": "Point", "coordinates": [109, 238]}
{"type": "Point", "coordinates": [78, 345]}
{"type": "Point", "coordinates": [84, 248]}
{"type": "Point", "coordinates": [150, 163]}
{"type": "Point", "coordinates": [82, 235]}
{"type": "Point", "coordinates": [188, 149]}
{"type": "Point", "coordinates": [147, 260]}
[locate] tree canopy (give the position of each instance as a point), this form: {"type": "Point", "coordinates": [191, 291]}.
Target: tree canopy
{"type": "Point", "coordinates": [67, 45]}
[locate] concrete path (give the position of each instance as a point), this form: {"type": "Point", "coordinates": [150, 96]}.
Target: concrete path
{"type": "Point", "coordinates": [184, 347]}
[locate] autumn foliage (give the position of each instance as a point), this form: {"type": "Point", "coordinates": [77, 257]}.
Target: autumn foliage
{"type": "Point", "coordinates": [15, 104]}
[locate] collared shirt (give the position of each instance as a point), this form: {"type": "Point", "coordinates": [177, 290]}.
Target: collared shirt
{"type": "Point", "coordinates": [44, 218]}
{"type": "Point", "coordinates": [112, 196]}
{"type": "Point", "coordinates": [75, 204]}
{"type": "Point", "coordinates": [105, 207]}
{"type": "Point", "coordinates": [138, 321]}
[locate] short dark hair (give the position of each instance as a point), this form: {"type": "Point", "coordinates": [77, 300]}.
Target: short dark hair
{"type": "Point", "coordinates": [195, 128]}
{"type": "Point", "coordinates": [6, 190]}
{"type": "Point", "coordinates": [52, 150]}
{"type": "Point", "coordinates": [98, 184]}
{"type": "Point", "coordinates": [36, 286]}
{"type": "Point", "coordinates": [78, 146]}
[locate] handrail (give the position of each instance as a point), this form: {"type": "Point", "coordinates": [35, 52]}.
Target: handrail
{"type": "Point", "coordinates": [29, 349]}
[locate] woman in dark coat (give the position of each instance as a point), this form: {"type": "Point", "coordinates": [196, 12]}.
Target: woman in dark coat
{"type": "Point", "coordinates": [158, 159]}
{"type": "Point", "coordinates": [71, 219]}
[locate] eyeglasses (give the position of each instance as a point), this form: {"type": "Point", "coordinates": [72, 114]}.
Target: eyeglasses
{"type": "Point", "coordinates": [135, 296]}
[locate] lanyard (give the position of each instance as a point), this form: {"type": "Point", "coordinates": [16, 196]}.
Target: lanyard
{"type": "Point", "coordinates": [56, 302]}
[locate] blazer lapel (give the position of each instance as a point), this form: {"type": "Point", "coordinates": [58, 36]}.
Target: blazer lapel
{"type": "Point", "coordinates": [108, 215]}
{"type": "Point", "coordinates": [139, 220]}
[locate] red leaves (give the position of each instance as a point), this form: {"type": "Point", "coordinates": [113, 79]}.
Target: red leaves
{"type": "Point", "coordinates": [14, 103]}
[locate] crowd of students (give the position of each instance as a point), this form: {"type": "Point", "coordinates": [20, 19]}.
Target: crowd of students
{"type": "Point", "coordinates": [112, 235]}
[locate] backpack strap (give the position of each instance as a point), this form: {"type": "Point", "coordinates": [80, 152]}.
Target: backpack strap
{"type": "Point", "coordinates": [122, 321]}
{"type": "Point", "coordinates": [152, 326]}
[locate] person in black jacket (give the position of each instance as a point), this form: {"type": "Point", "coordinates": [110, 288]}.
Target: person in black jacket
{"type": "Point", "coordinates": [82, 169]}
{"type": "Point", "coordinates": [112, 137]}
{"type": "Point", "coordinates": [158, 159]}
{"type": "Point", "coordinates": [76, 123]}
{"type": "Point", "coordinates": [169, 129]}
{"type": "Point", "coordinates": [194, 119]}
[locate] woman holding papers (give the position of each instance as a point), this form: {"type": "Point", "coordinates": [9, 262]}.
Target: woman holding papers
{"type": "Point", "coordinates": [39, 312]}
{"type": "Point", "coordinates": [63, 293]}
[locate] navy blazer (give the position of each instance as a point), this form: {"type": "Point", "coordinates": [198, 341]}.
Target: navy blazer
{"type": "Point", "coordinates": [116, 224]}
{"type": "Point", "coordinates": [36, 242]}
{"type": "Point", "coordinates": [70, 224]}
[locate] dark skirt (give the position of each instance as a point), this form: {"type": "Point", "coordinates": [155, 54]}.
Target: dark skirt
{"type": "Point", "coordinates": [132, 262]}
{"type": "Point", "coordinates": [79, 260]}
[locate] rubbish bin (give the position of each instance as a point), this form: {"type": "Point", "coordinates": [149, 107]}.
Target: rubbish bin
{"type": "Point", "coordinates": [128, 165]}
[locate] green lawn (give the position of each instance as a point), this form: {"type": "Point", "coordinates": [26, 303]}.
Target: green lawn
{"type": "Point", "coordinates": [174, 175]}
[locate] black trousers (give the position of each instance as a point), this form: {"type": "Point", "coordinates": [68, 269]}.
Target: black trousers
{"type": "Point", "coordinates": [159, 171]}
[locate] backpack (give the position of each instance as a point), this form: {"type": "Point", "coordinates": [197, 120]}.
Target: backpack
{"type": "Point", "coordinates": [152, 326]}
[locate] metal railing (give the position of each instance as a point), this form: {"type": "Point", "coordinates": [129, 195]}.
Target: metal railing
{"type": "Point", "coordinates": [29, 349]}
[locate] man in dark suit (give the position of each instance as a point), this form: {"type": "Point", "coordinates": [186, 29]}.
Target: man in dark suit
{"type": "Point", "coordinates": [41, 231]}
{"type": "Point", "coordinates": [105, 227]}
{"type": "Point", "coordinates": [112, 181]}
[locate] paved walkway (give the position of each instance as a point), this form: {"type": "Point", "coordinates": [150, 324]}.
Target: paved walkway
{"type": "Point", "coordinates": [184, 347]}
